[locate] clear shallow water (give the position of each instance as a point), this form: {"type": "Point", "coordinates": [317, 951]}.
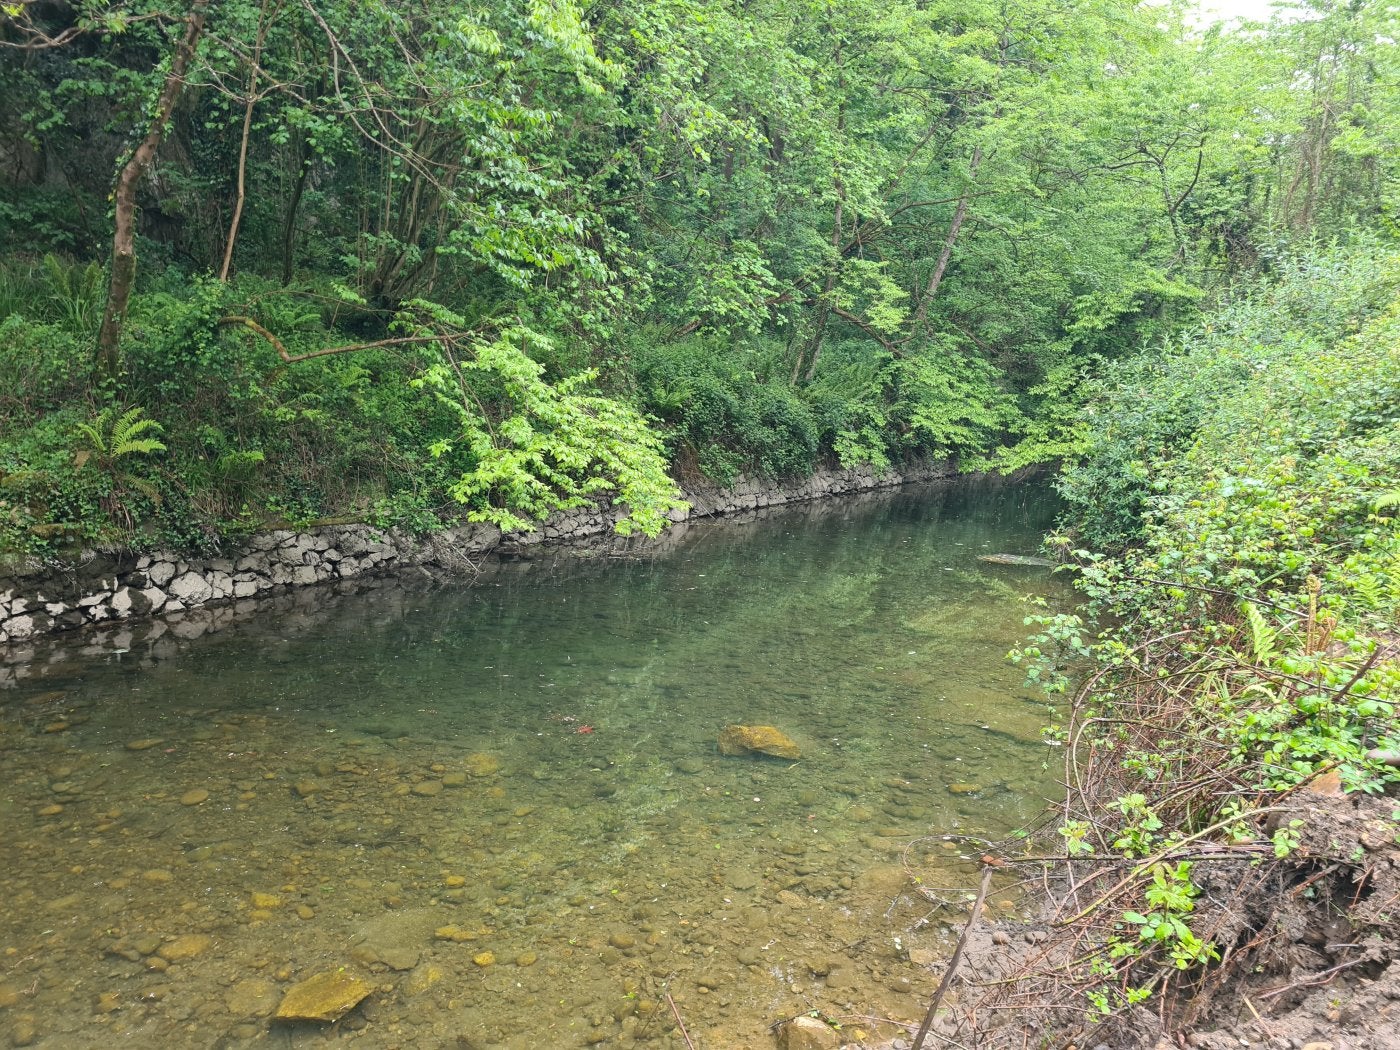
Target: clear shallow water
{"type": "Point", "coordinates": [504, 806]}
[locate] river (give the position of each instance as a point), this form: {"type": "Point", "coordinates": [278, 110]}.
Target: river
{"type": "Point", "coordinates": [503, 807]}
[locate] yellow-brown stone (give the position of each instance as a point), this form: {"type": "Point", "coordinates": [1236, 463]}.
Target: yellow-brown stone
{"type": "Point", "coordinates": [764, 740]}
{"type": "Point", "coordinates": [480, 764]}
{"type": "Point", "coordinates": [326, 996]}
{"type": "Point", "coordinates": [186, 946]}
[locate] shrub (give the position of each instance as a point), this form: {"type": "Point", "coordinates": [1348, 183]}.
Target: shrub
{"type": "Point", "coordinates": [732, 411]}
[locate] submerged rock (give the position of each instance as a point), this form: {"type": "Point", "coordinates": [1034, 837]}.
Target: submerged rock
{"type": "Point", "coordinates": [480, 764]}
{"type": "Point", "coordinates": [252, 997]}
{"type": "Point", "coordinates": [764, 740]}
{"type": "Point", "coordinates": [807, 1033]}
{"type": "Point", "coordinates": [423, 977]}
{"type": "Point", "coordinates": [184, 947]}
{"type": "Point", "coordinates": [326, 996]}
{"type": "Point", "coordinates": [1016, 559]}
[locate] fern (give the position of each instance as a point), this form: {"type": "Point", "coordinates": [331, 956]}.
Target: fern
{"type": "Point", "coordinates": [1263, 639]}
{"type": "Point", "coordinates": [112, 436]}
{"type": "Point", "coordinates": [1369, 589]}
{"type": "Point", "coordinates": [76, 292]}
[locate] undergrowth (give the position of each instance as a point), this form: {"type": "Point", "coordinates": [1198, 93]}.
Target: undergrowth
{"type": "Point", "coordinates": [1238, 646]}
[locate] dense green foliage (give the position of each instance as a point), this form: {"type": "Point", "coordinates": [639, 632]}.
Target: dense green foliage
{"type": "Point", "coordinates": [1239, 502]}
{"type": "Point", "coordinates": [1263, 514]}
{"type": "Point", "coordinates": [749, 237]}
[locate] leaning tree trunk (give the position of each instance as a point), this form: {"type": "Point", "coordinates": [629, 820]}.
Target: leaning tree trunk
{"type": "Point", "coordinates": [124, 197]}
{"type": "Point", "coordinates": [954, 228]}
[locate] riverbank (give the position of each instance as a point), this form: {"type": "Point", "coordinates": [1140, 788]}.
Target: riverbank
{"type": "Point", "coordinates": [111, 586]}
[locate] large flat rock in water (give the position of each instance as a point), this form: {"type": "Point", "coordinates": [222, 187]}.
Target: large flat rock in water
{"type": "Point", "coordinates": [763, 740]}
{"type": "Point", "coordinates": [325, 997]}
{"type": "Point", "coordinates": [1016, 559]}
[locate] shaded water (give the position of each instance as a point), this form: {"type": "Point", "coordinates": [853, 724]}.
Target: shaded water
{"type": "Point", "coordinates": [503, 804]}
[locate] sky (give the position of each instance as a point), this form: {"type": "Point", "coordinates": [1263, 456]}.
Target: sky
{"type": "Point", "coordinates": [1255, 10]}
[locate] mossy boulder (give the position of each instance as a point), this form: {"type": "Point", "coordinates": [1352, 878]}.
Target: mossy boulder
{"type": "Point", "coordinates": [762, 740]}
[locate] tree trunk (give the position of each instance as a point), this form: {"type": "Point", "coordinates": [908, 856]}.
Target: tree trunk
{"type": "Point", "coordinates": [124, 198]}
{"type": "Point", "coordinates": [954, 229]}
{"type": "Point", "coordinates": [289, 223]}
{"type": "Point", "coordinates": [252, 101]}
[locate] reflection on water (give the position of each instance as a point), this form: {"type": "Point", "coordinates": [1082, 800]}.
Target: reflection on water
{"type": "Point", "coordinates": [503, 804]}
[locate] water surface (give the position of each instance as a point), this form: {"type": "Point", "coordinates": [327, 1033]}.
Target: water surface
{"type": "Point", "coordinates": [503, 804]}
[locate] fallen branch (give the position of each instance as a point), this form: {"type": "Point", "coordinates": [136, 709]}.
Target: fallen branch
{"type": "Point", "coordinates": [955, 960]}
{"type": "Point", "coordinates": [239, 321]}
{"type": "Point", "coordinates": [679, 1023]}
{"type": "Point", "coordinates": [1145, 866]}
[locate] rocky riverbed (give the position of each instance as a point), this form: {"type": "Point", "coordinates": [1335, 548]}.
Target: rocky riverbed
{"type": "Point", "coordinates": [501, 812]}
{"type": "Point", "coordinates": [170, 889]}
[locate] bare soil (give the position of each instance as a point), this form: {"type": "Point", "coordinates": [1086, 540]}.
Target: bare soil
{"type": "Point", "coordinates": [1309, 945]}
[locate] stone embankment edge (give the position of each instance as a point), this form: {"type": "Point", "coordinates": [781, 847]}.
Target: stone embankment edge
{"type": "Point", "coordinates": [107, 586]}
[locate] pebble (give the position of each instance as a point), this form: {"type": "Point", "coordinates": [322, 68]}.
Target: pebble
{"type": "Point", "coordinates": [400, 958]}
{"type": "Point", "coordinates": [1000, 937]}
{"type": "Point", "coordinates": [194, 797]}
{"type": "Point", "coordinates": [964, 788]}
{"type": "Point", "coordinates": [484, 959]}
{"type": "Point", "coordinates": [1377, 835]}
{"type": "Point", "coordinates": [428, 788]}
{"type": "Point", "coordinates": [186, 946]}
{"type": "Point", "coordinates": [741, 879]}
{"type": "Point", "coordinates": [480, 764]}
{"type": "Point", "coordinates": [53, 809]}
{"type": "Point", "coordinates": [526, 959]}
{"type": "Point", "coordinates": [146, 943]}
{"type": "Point", "coordinates": [253, 997]}
{"type": "Point", "coordinates": [305, 911]}
{"type": "Point", "coordinates": [23, 1033]}
{"type": "Point", "coordinates": [453, 933]}
{"type": "Point", "coordinates": [423, 977]}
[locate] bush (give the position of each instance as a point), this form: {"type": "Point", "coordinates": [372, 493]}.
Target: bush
{"type": "Point", "coordinates": [733, 412]}
{"type": "Point", "coordinates": [1146, 411]}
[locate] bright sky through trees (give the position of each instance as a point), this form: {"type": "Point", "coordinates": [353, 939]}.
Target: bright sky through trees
{"type": "Point", "coordinates": [1220, 10]}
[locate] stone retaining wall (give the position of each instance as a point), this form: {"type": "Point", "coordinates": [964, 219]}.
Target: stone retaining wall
{"type": "Point", "coordinates": [105, 586]}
